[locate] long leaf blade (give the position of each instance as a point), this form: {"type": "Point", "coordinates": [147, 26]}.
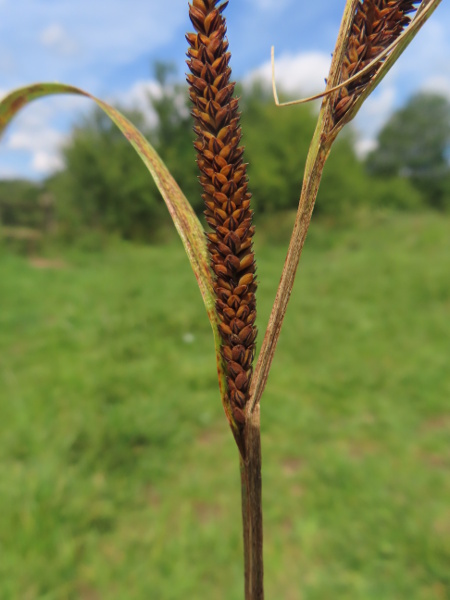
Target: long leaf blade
{"type": "Point", "coordinates": [186, 222]}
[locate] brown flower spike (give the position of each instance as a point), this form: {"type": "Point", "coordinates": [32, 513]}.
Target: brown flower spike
{"type": "Point", "coordinates": [376, 25]}
{"type": "Point", "coordinates": [227, 199]}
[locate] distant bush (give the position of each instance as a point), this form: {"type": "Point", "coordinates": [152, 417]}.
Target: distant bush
{"type": "Point", "coordinates": [103, 186]}
{"type": "Point", "coordinates": [22, 204]}
{"type": "Point", "coordinates": [104, 189]}
{"type": "Point", "coordinates": [277, 142]}
{"type": "Point", "coordinates": [394, 192]}
{"type": "Point", "coordinates": [414, 144]}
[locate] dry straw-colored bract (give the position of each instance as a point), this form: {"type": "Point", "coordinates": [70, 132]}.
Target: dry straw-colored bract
{"type": "Point", "coordinates": [376, 25]}
{"type": "Point", "coordinates": [227, 199]}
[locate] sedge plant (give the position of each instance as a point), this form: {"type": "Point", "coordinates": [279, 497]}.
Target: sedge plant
{"type": "Point", "coordinates": [372, 35]}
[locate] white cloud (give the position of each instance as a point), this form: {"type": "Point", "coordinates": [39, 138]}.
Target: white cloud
{"type": "Point", "coordinates": [34, 134]}
{"type": "Point", "coordinates": [439, 84]}
{"type": "Point", "coordinates": [33, 140]}
{"type": "Point", "coordinates": [137, 97]}
{"type": "Point", "coordinates": [373, 114]}
{"type": "Point", "coordinates": [55, 37]}
{"type": "Point", "coordinates": [43, 145]}
{"type": "Point", "coordinates": [302, 73]}
{"type": "Point", "coordinates": [378, 105]}
{"type": "Point", "coordinates": [365, 145]}
{"type": "Point", "coordinates": [45, 163]}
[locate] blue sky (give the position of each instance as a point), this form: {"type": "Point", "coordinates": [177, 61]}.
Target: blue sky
{"type": "Point", "coordinates": [107, 48]}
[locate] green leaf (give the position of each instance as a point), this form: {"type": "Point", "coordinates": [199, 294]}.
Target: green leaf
{"type": "Point", "coordinates": [184, 218]}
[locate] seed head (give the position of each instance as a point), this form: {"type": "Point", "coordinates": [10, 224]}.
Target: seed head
{"type": "Point", "coordinates": [376, 25]}
{"type": "Point", "coordinates": [227, 200]}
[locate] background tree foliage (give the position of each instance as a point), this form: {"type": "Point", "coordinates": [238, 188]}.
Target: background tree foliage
{"type": "Point", "coordinates": [105, 188]}
{"type": "Point", "coordinates": [19, 203]}
{"type": "Point", "coordinates": [277, 142]}
{"type": "Point", "coordinates": [415, 144]}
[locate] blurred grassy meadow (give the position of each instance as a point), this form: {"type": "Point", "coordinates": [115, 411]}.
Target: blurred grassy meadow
{"type": "Point", "coordinates": [119, 478]}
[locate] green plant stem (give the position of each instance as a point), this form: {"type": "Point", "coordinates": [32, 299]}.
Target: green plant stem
{"type": "Point", "coordinates": [252, 509]}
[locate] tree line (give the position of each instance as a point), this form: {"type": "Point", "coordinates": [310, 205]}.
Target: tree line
{"type": "Point", "coordinates": [105, 187]}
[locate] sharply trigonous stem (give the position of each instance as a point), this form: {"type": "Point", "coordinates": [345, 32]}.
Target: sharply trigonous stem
{"type": "Point", "coordinates": [252, 510]}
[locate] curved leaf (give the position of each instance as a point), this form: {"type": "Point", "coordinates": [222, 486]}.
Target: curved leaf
{"type": "Point", "coordinates": [184, 218]}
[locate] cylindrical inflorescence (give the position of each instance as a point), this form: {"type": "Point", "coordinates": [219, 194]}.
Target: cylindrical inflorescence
{"type": "Point", "coordinates": [224, 180]}
{"type": "Point", "coordinates": [376, 25]}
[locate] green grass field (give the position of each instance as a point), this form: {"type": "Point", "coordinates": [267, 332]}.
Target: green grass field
{"type": "Point", "coordinates": [118, 475]}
